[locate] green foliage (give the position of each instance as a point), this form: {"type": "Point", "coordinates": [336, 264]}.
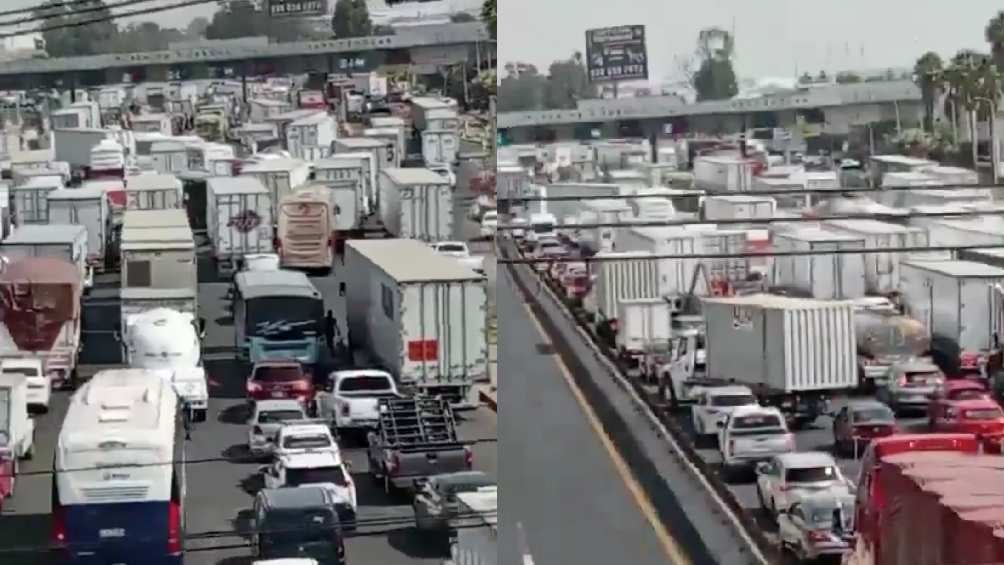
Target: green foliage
{"type": "Point", "coordinates": [240, 18]}
{"type": "Point", "coordinates": [462, 17]}
{"type": "Point", "coordinates": [994, 34]}
{"type": "Point", "coordinates": [927, 74]}
{"type": "Point", "coordinates": [351, 19]}
{"type": "Point", "coordinates": [923, 144]}
{"type": "Point", "coordinates": [848, 78]}
{"type": "Point", "coordinates": [79, 40]}
{"type": "Point", "coordinates": [715, 78]}
{"type": "Point", "coordinates": [524, 88]}
{"type": "Point", "coordinates": [488, 15]}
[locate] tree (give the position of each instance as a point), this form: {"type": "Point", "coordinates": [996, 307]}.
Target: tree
{"type": "Point", "coordinates": [521, 89]}
{"type": "Point", "coordinates": [197, 28]}
{"type": "Point", "coordinates": [994, 34]}
{"type": "Point", "coordinates": [79, 40]}
{"type": "Point", "coordinates": [488, 14]}
{"type": "Point", "coordinates": [462, 17]}
{"type": "Point", "coordinates": [351, 19]}
{"type": "Point", "coordinates": [927, 74]}
{"type": "Point", "coordinates": [567, 82]}
{"type": "Point", "coordinates": [242, 18]}
{"type": "Point", "coordinates": [848, 78]}
{"type": "Point", "coordinates": [715, 78]}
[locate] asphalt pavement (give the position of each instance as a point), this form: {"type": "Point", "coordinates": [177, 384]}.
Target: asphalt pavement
{"type": "Point", "coordinates": [562, 495]}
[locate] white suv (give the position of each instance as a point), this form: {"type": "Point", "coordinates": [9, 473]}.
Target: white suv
{"type": "Point", "coordinates": [324, 468]}
{"type": "Point", "coordinates": [39, 384]}
{"type": "Point", "coordinates": [302, 437]}
{"type": "Point", "coordinates": [751, 435]}
{"type": "Point", "coordinates": [714, 404]}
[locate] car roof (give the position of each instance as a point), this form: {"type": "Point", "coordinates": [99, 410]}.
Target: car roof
{"type": "Point", "coordinates": [311, 459]}
{"type": "Point", "coordinates": [963, 384]}
{"type": "Point", "coordinates": [285, 404]}
{"type": "Point", "coordinates": [806, 459]}
{"type": "Point", "coordinates": [294, 498]}
{"type": "Point", "coordinates": [976, 403]}
{"type": "Point", "coordinates": [731, 390]}
{"type": "Point", "coordinates": [305, 429]}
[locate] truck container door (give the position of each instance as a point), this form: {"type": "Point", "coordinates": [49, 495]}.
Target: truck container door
{"type": "Point", "coordinates": [244, 223]}
{"type": "Point", "coordinates": [885, 263]}
{"type": "Point", "coordinates": [345, 202]}
{"type": "Point", "coordinates": [824, 270]}
{"type": "Point", "coordinates": [975, 315]}
{"type": "Point", "coordinates": [444, 338]}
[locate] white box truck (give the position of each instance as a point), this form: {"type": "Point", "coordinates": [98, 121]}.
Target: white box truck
{"type": "Point", "coordinates": [434, 113]}
{"type": "Point", "coordinates": [440, 147]}
{"type": "Point", "coordinates": [603, 211]}
{"type": "Point", "coordinates": [280, 176]}
{"type": "Point", "coordinates": [395, 134]}
{"type": "Point", "coordinates": [826, 276]}
{"type": "Point", "coordinates": [378, 148]}
{"type": "Point", "coordinates": [881, 269]}
{"type": "Point", "coordinates": [56, 241]}
{"type": "Point", "coordinates": [792, 352]}
{"type": "Point", "coordinates": [87, 207]}
{"type": "Point", "coordinates": [158, 257]}
{"type": "Point", "coordinates": [169, 157]}
{"type": "Point", "coordinates": [74, 146]}
{"type": "Point", "coordinates": [239, 220]}
{"type": "Point", "coordinates": [416, 204]}
{"type": "Point", "coordinates": [136, 301]}
{"type": "Point", "coordinates": [153, 192]}
{"type": "Point", "coordinates": [643, 324]}
{"type": "Point", "coordinates": [310, 137]}
{"type": "Point", "coordinates": [622, 276]}
{"type": "Point", "coordinates": [421, 316]}
{"type": "Point", "coordinates": [675, 276]}
{"type": "Point", "coordinates": [732, 174]}
{"type": "Point", "coordinates": [356, 167]}
{"type": "Point", "coordinates": [963, 232]}
{"type": "Point", "coordinates": [31, 200]}
{"type": "Point", "coordinates": [739, 207]}
{"type": "Point", "coordinates": [955, 301]}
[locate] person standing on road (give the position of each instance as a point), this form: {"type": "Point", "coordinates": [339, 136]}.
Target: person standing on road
{"type": "Point", "coordinates": [330, 325]}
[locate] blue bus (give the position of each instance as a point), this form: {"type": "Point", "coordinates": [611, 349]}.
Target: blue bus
{"type": "Point", "coordinates": [277, 315]}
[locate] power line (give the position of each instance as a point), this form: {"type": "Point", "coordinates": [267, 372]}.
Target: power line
{"type": "Point", "coordinates": [643, 256]}
{"type": "Point", "coordinates": [75, 11]}
{"type": "Point", "coordinates": [187, 462]}
{"type": "Point", "coordinates": [766, 192]}
{"type": "Point", "coordinates": [113, 17]}
{"type": "Point", "coordinates": [44, 6]}
{"type": "Point", "coordinates": [761, 221]}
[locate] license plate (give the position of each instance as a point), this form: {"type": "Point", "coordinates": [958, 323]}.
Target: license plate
{"type": "Point", "coordinates": [112, 533]}
{"type": "Point", "coordinates": [278, 394]}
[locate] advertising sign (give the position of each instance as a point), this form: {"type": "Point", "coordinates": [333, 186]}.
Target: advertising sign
{"type": "Point", "coordinates": [616, 53]}
{"type": "Point", "coordinates": [282, 8]}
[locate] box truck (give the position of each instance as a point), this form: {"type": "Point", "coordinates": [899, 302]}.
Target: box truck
{"type": "Point", "coordinates": [31, 200]}
{"type": "Point", "coordinates": [355, 167]}
{"type": "Point", "coordinates": [87, 207]}
{"type": "Point", "coordinates": [380, 151]}
{"type": "Point", "coordinates": [153, 192]}
{"type": "Point", "coordinates": [310, 137]}
{"type": "Point", "coordinates": [280, 176]}
{"type": "Point", "coordinates": [792, 352]}
{"type": "Point", "coordinates": [881, 269]}
{"type": "Point", "coordinates": [723, 174]}
{"type": "Point", "coordinates": [239, 220]}
{"type": "Point", "coordinates": [823, 276]}
{"type": "Point", "coordinates": [416, 204]}
{"type": "Point", "coordinates": [65, 242]}
{"type": "Point", "coordinates": [440, 147]}
{"type": "Point", "coordinates": [74, 146]}
{"type": "Point", "coordinates": [158, 256]}
{"type": "Point", "coordinates": [421, 316]}
{"type": "Point", "coordinates": [675, 276]}
{"type": "Point", "coordinates": [739, 207]}
{"type": "Point", "coordinates": [622, 276]}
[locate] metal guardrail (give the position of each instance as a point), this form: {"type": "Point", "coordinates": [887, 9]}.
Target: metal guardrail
{"type": "Point", "coordinates": [760, 548]}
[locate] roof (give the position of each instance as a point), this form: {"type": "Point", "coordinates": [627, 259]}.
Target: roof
{"type": "Point", "coordinates": [306, 429]}
{"type": "Point", "coordinates": [235, 185]}
{"type": "Point", "coordinates": [82, 193]}
{"type": "Point", "coordinates": [154, 218]}
{"type": "Point", "coordinates": [360, 142]}
{"type": "Point", "coordinates": [957, 268]}
{"type": "Point", "coordinates": [167, 146]}
{"type": "Point", "coordinates": [157, 237]}
{"type": "Point", "coordinates": [44, 182]}
{"type": "Point", "coordinates": [348, 160]}
{"type": "Point", "coordinates": [296, 498]}
{"type": "Point", "coordinates": [731, 390]}
{"type": "Point", "coordinates": [257, 284]}
{"type": "Point", "coordinates": [308, 460]}
{"type": "Point", "coordinates": [268, 102]}
{"type": "Point", "coordinates": [273, 165]}
{"type": "Point", "coordinates": [870, 227]}
{"type": "Point", "coordinates": [152, 182]}
{"type": "Point", "coordinates": [312, 119]}
{"type": "Point", "coordinates": [409, 260]}
{"type": "Point", "coordinates": [30, 234]}
{"type": "Point", "coordinates": [804, 459]}
{"type": "Point", "coordinates": [150, 118]}
{"type": "Point", "coordinates": [140, 293]}
{"type": "Point", "coordinates": [482, 502]}
{"type": "Point", "coordinates": [386, 121]}
{"type": "Point", "coordinates": [415, 176]}
{"type": "Point", "coordinates": [650, 107]}
{"type": "Point", "coordinates": [126, 400]}
{"type": "Point", "coordinates": [40, 270]}
{"type": "Point", "coordinates": [741, 198]}
{"type": "Point", "coordinates": [269, 405]}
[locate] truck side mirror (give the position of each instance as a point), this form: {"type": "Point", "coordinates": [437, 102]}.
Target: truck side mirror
{"type": "Point", "coordinates": [202, 328]}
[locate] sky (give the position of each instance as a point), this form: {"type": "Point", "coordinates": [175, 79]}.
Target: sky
{"type": "Point", "coordinates": [772, 37]}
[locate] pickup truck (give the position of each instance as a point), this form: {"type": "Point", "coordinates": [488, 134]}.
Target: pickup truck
{"type": "Point", "coordinates": [349, 399]}
{"type": "Point", "coordinates": [459, 250]}
{"type": "Point", "coordinates": [415, 439]}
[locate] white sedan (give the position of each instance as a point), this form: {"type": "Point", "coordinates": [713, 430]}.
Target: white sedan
{"type": "Point", "coordinates": [788, 478]}
{"type": "Point", "coordinates": [713, 405]}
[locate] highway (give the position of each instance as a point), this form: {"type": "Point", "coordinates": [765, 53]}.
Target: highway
{"type": "Point", "coordinates": [563, 489]}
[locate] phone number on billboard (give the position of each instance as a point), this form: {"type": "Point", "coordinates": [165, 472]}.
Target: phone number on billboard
{"type": "Point", "coordinates": [297, 7]}
{"type": "Point", "coordinates": [618, 71]}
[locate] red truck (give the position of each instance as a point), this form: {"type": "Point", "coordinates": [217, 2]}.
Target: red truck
{"type": "Point", "coordinates": [930, 499]}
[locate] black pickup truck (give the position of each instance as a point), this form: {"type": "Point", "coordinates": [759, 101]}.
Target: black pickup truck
{"type": "Point", "coordinates": [415, 439]}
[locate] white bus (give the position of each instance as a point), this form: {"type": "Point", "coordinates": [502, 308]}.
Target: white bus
{"type": "Point", "coordinates": [119, 481]}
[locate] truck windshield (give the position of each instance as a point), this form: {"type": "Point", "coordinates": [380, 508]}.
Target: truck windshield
{"type": "Point", "coordinates": [276, 416]}
{"type": "Point", "coordinates": [334, 474]}
{"type": "Point", "coordinates": [876, 414]}
{"type": "Point", "coordinates": [543, 228]}
{"type": "Point", "coordinates": [284, 318]}
{"type": "Point", "coordinates": [733, 400]}
{"type": "Point", "coordinates": [451, 248]}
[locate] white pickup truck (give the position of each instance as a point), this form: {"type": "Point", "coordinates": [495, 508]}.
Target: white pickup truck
{"type": "Point", "coordinates": [350, 399]}
{"type": "Point", "coordinates": [459, 250]}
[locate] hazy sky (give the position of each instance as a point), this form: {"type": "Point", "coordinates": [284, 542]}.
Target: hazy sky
{"type": "Point", "coordinates": [772, 36]}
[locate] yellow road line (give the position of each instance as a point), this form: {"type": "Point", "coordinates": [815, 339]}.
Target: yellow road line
{"type": "Point", "coordinates": [668, 542]}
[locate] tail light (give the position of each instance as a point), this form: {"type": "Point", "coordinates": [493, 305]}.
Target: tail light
{"type": "Point", "coordinates": [469, 457]}
{"type": "Point", "coordinates": [253, 387]}
{"type": "Point", "coordinates": [819, 536]}
{"type": "Point", "coordinates": [301, 386]}
{"type": "Point", "coordinates": [174, 546]}
{"type": "Point", "coordinates": [394, 464]}
{"type": "Point", "coordinates": [58, 525]}
{"type": "Point", "coordinates": [257, 430]}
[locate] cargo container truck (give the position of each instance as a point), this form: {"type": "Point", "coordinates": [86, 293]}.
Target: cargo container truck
{"type": "Point", "coordinates": [354, 167]}
{"type": "Point", "coordinates": [882, 269]}
{"type": "Point", "coordinates": [420, 316]}
{"type": "Point", "coordinates": [153, 192]}
{"type": "Point", "coordinates": [280, 176]}
{"type": "Point", "coordinates": [823, 276]}
{"type": "Point", "coordinates": [416, 204]}
{"type": "Point", "coordinates": [305, 237]}
{"type": "Point", "coordinates": [87, 207]}
{"type": "Point", "coordinates": [58, 241]}
{"type": "Point", "coordinates": [239, 220]}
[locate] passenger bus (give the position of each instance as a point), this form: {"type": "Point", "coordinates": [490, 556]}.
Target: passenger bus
{"type": "Point", "coordinates": [277, 315]}
{"type": "Point", "coordinates": [306, 236]}
{"type": "Point", "coordinates": [119, 484]}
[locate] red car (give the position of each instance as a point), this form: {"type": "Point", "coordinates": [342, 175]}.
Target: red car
{"type": "Point", "coordinates": [858, 423]}
{"type": "Point", "coordinates": [951, 392]}
{"type": "Point", "coordinates": [981, 417]}
{"type": "Point", "coordinates": [280, 379]}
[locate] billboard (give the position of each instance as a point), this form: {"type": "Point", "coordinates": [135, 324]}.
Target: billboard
{"type": "Point", "coordinates": [282, 8]}
{"type": "Point", "coordinates": [616, 53]}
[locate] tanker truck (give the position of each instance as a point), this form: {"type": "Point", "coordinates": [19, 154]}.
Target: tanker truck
{"type": "Point", "coordinates": [169, 342]}
{"type": "Point", "coordinates": [886, 338]}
